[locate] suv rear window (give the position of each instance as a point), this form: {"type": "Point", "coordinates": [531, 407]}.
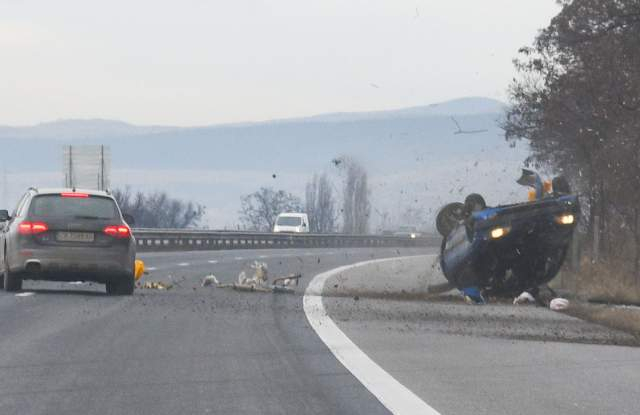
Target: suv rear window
{"type": "Point", "coordinates": [92, 207]}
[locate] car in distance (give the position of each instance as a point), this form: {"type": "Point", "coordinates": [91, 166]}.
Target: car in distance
{"type": "Point", "coordinates": [292, 222]}
{"type": "Point", "coordinates": [407, 232]}
{"type": "Point", "coordinates": [67, 235]}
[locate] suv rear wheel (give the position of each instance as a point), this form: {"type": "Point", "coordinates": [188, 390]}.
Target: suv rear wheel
{"type": "Point", "coordinates": [11, 281]}
{"type": "Point", "coordinates": [121, 286]}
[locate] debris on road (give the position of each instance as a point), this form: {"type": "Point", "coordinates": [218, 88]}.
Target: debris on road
{"type": "Point", "coordinates": [559, 304]}
{"type": "Point", "coordinates": [209, 280]}
{"type": "Point", "coordinates": [139, 269]}
{"type": "Point", "coordinates": [258, 282]}
{"type": "Point", "coordinates": [524, 298]}
{"type": "Point", "coordinates": [156, 285]}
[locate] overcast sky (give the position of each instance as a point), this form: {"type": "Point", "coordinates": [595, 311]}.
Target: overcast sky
{"type": "Point", "coordinates": [195, 62]}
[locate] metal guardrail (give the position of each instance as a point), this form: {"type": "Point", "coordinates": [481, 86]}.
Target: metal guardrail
{"type": "Point", "coordinates": [148, 240]}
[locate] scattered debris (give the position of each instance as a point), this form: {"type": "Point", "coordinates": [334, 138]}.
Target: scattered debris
{"type": "Point", "coordinates": [209, 280]}
{"type": "Point", "coordinates": [156, 285]}
{"type": "Point", "coordinates": [524, 298]}
{"type": "Point", "coordinates": [559, 304]}
{"type": "Point", "coordinates": [258, 282]}
{"type": "Point", "coordinates": [472, 295]}
{"type": "Point", "coordinates": [139, 269]}
{"type": "Point", "coordinates": [461, 131]}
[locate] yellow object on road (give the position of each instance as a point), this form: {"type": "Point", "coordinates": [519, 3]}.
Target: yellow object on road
{"type": "Point", "coordinates": [139, 269]}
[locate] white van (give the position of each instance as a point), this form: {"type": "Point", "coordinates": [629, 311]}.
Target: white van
{"type": "Point", "coordinates": [292, 222]}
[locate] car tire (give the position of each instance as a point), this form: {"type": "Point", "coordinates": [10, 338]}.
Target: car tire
{"type": "Point", "coordinates": [449, 217]}
{"type": "Point", "coordinates": [11, 281]}
{"type": "Point", "coordinates": [121, 286]}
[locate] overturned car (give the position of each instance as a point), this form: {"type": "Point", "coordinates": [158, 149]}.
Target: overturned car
{"type": "Point", "coordinates": [505, 250]}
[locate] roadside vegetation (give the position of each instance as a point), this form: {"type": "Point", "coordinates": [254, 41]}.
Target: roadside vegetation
{"type": "Point", "coordinates": [159, 210]}
{"type": "Point", "coordinates": [577, 101]}
{"type": "Point", "coordinates": [327, 214]}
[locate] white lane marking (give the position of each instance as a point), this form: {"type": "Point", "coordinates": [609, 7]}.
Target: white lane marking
{"type": "Point", "coordinates": [25, 294]}
{"type": "Point", "coordinates": [238, 258]}
{"type": "Point", "coordinates": [75, 283]}
{"type": "Point", "coordinates": [151, 268]}
{"type": "Point", "coordinates": [183, 264]}
{"type": "Point", "coordinates": [263, 256]}
{"type": "Point", "coordinates": [213, 261]}
{"type": "Point", "coordinates": [391, 393]}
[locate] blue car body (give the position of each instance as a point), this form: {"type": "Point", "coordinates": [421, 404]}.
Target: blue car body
{"type": "Point", "coordinates": [527, 252]}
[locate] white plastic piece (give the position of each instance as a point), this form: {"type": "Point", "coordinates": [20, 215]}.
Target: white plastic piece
{"type": "Point", "coordinates": [523, 298]}
{"type": "Point", "coordinates": [559, 304]}
{"type": "Point", "coordinates": [209, 280]}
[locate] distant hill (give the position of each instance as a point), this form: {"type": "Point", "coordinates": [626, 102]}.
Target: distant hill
{"type": "Point", "coordinates": [79, 129]}
{"type": "Point", "coordinates": [461, 106]}
{"type": "Point", "coordinates": [415, 156]}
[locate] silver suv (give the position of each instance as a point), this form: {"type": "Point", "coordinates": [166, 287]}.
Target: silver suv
{"type": "Point", "coordinates": [67, 235]}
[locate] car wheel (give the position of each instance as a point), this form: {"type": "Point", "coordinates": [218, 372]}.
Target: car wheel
{"type": "Point", "coordinates": [124, 286]}
{"type": "Point", "coordinates": [449, 217]}
{"type": "Point", "coordinates": [11, 281]}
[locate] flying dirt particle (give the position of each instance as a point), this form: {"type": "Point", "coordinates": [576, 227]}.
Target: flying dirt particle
{"type": "Point", "coordinates": [318, 260]}
{"type": "Point", "coordinates": [335, 286]}
{"type": "Point", "coordinates": [356, 298]}
{"type": "Point", "coordinates": [273, 175]}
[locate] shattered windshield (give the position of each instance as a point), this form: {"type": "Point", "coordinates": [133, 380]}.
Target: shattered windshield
{"type": "Point", "coordinates": [319, 207]}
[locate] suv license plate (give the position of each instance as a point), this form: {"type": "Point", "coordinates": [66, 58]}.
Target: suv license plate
{"type": "Point", "coordinates": [74, 236]}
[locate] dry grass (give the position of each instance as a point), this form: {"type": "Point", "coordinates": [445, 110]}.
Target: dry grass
{"type": "Point", "coordinates": [607, 282]}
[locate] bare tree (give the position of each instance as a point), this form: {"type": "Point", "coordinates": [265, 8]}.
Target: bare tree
{"type": "Point", "coordinates": [577, 102]}
{"type": "Point", "coordinates": [158, 210]}
{"type": "Point", "coordinates": [320, 205]}
{"type": "Point", "coordinates": [260, 209]}
{"type": "Point", "coordinates": [356, 207]}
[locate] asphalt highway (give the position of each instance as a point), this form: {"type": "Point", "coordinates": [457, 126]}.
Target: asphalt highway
{"type": "Point", "coordinates": [70, 349]}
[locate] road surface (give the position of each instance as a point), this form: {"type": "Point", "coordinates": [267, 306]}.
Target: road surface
{"type": "Point", "coordinates": [70, 349]}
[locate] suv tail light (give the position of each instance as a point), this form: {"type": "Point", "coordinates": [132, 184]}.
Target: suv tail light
{"type": "Point", "coordinates": [74, 194]}
{"type": "Point", "coordinates": [32, 228]}
{"type": "Point", "coordinates": [118, 231]}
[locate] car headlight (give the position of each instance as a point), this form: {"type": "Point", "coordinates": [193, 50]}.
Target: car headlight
{"type": "Point", "coordinates": [499, 232]}
{"type": "Point", "coordinates": [565, 219]}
